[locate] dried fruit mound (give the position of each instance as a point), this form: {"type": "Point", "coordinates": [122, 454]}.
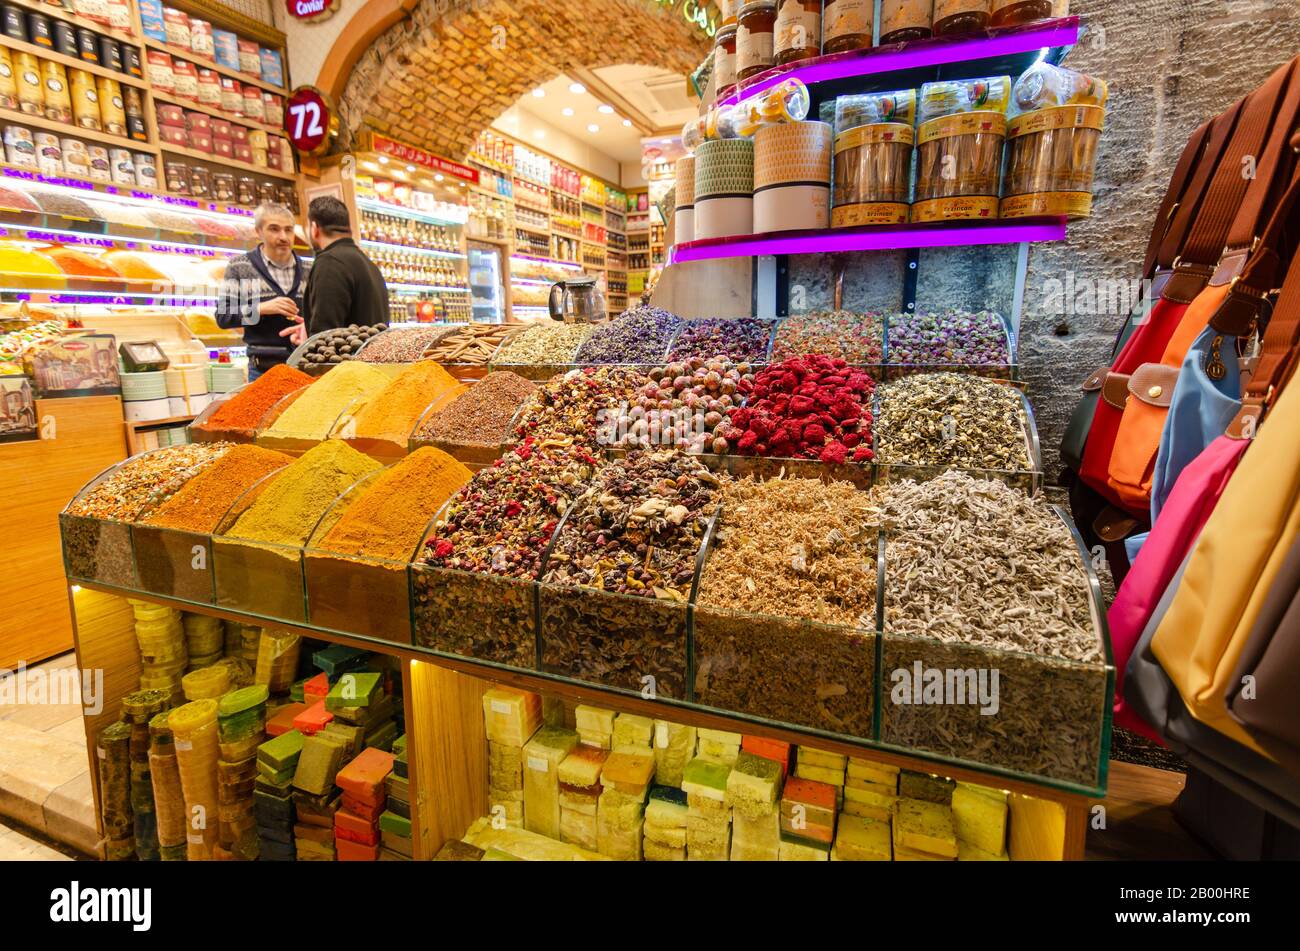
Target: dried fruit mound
{"type": "Point", "coordinates": [806, 408]}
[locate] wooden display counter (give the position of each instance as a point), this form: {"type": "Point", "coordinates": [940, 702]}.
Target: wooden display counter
{"type": "Point", "coordinates": [447, 742]}
{"type": "Point", "coordinates": [81, 438]}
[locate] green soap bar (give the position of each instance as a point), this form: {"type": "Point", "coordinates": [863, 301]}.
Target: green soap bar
{"type": "Point", "coordinates": [274, 788]}
{"type": "Point", "coordinates": [245, 698]}
{"type": "Point", "coordinates": [399, 746]}
{"type": "Point", "coordinates": [706, 778]}
{"type": "Point", "coordinates": [336, 658]}
{"type": "Point", "coordinates": [296, 692]}
{"type": "Point", "coordinates": [353, 690]}
{"type": "Point", "coordinates": [281, 751]}
{"type": "Point", "coordinates": [391, 822]}
{"type": "Point", "coordinates": [277, 777]}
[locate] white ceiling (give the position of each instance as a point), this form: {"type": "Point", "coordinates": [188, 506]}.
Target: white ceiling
{"type": "Point", "coordinates": [658, 97]}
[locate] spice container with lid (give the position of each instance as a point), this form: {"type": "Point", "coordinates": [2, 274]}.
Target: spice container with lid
{"type": "Point", "coordinates": [27, 75]}
{"type": "Point", "coordinates": [20, 149]}
{"type": "Point", "coordinates": [724, 188]}
{"type": "Point", "coordinates": [178, 178]}
{"type": "Point", "coordinates": [724, 61]}
{"type": "Point", "coordinates": [100, 167]}
{"type": "Point", "coordinates": [799, 30]}
{"type": "Point", "coordinates": [76, 160]}
{"type": "Point", "coordinates": [146, 170]}
{"type": "Point", "coordinates": [200, 182]}
{"type": "Point", "coordinates": [792, 176]}
{"type": "Point", "coordinates": [15, 24]}
{"type": "Point", "coordinates": [1056, 122]}
{"type": "Point", "coordinates": [223, 187]}
{"type": "Point", "coordinates": [847, 25]}
{"type": "Point", "coordinates": [40, 30]}
{"type": "Point", "coordinates": [902, 21]}
{"type": "Point", "coordinates": [133, 106]}
{"type": "Point", "coordinates": [88, 45]}
{"type": "Point", "coordinates": [65, 38]}
{"type": "Point", "coordinates": [1016, 12]}
{"type": "Point", "coordinates": [247, 190]}
{"type": "Point", "coordinates": [962, 128]}
{"type": "Point", "coordinates": [112, 111]}
{"type": "Point", "coordinates": [58, 100]}
{"type": "Point", "coordinates": [874, 137]}
{"type": "Point", "coordinates": [8, 83]}
{"type": "Point", "coordinates": [756, 38]}
{"type": "Point", "coordinates": [85, 100]}
{"type": "Point", "coordinates": [110, 53]}
{"type": "Point", "coordinates": [122, 166]}
{"type": "Point", "coordinates": [954, 17]}
{"type": "Point", "coordinates": [49, 155]}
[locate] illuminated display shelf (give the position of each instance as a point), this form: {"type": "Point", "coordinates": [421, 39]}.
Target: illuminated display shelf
{"type": "Point", "coordinates": [379, 207]}
{"type": "Point", "coordinates": [410, 249]}
{"type": "Point", "coordinates": [228, 162]}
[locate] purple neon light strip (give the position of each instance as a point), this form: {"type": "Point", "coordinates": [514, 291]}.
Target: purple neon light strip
{"type": "Point", "coordinates": [916, 55]}
{"type": "Point", "coordinates": [920, 236]}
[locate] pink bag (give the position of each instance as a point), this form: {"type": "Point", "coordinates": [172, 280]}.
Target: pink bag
{"type": "Point", "coordinates": [1188, 508]}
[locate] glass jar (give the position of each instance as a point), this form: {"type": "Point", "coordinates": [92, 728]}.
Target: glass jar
{"type": "Point", "coordinates": [756, 38]}
{"type": "Point", "coordinates": [200, 182]}
{"type": "Point", "coordinates": [247, 191]}
{"type": "Point", "coordinates": [1016, 12]}
{"type": "Point", "coordinates": [724, 61]}
{"type": "Point", "coordinates": [954, 17]}
{"type": "Point", "coordinates": [847, 25]}
{"type": "Point", "coordinates": [799, 30]}
{"type": "Point", "coordinates": [178, 178]}
{"type": "Point", "coordinates": [265, 193]}
{"type": "Point", "coordinates": [902, 21]}
{"type": "Point", "coordinates": [728, 9]}
{"type": "Point", "coordinates": [223, 187]}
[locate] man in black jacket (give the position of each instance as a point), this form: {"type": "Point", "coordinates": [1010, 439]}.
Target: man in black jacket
{"type": "Point", "coordinates": [345, 287]}
{"type": "Point", "coordinates": [262, 292]}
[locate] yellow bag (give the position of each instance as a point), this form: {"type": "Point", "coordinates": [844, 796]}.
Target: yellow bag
{"type": "Point", "coordinates": [1231, 570]}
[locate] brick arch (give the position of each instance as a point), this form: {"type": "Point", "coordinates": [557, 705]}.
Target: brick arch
{"type": "Point", "coordinates": [449, 68]}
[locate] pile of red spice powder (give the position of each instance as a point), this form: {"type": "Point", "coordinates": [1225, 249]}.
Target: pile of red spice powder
{"type": "Point", "coordinates": [812, 407]}
{"type": "Point", "coordinates": [245, 409]}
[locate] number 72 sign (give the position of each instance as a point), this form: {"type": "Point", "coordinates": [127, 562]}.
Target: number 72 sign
{"type": "Point", "coordinates": [310, 120]}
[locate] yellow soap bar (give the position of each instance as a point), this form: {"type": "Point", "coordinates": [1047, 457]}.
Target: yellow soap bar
{"type": "Point", "coordinates": [861, 840]}
{"type": "Point", "coordinates": [903, 854]}
{"type": "Point", "coordinates": [875, 782]}
{"type": "Point", "coordinates": [720, 736]}
{"type": "Point", "coordinates": [798, 851]}
{"type": "Point", "coordinates": [969, 853]}
{"type": "Point", "coordinates": [980, 817]}
{"type": "Point", "coordinates": [860, 786]}
{"type": "Point", "coordinates": [926, 827]}
{"type": "Point", "coordinates": [593, 719]}
{"type": "Point", "coordinates": [821, 774]}
{"type": "Point", "coordinates": [811, 757]}
{"type": "Point", "coordinates": [871, 805]}
{"type": "Point", "coordinates": [656, 852]}
{"type": "Point", "coordinates": [511, 716]}
{"type": "Point", "coordinates": [632, 730]}
{"type": "Point", "coordinates": [526, 845]}
{"type": "Point", "coordinates": [873, 772]}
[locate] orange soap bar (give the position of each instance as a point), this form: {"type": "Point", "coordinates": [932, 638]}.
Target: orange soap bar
{"type": "Point", "coordinates": [312, 720]}
{"type": "Point", "coordinates": [365, 775]}
{"type": "Point", "coordinates": [359, 807]}
{"type": "Point", "coordinates": [629, 769]}
{"type": "Point", "coordinates": [368, 837]}
{"type": "Point", "coordinates": [348, 821]}
{"type": "Point", "coordinates": [356, 852]}
{"type": "Point", "coordinates": [317, 688]}
{"type": "Point", "coordinates": [810, 793]}
{"type": "Point", "coordinates": [282, 722]}
{"type": "Point", "coordinates": [776, 750]}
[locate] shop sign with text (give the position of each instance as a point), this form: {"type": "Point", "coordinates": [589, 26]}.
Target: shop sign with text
{"type": "Point", "coordinates": [417, 156]}
{"type": "Point", "coordinates": [312, 10]}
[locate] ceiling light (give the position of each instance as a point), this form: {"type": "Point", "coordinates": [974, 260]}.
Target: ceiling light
{"type": "Point", "coordinates": [593, 128]}
{"type": "Point", "coordinates": [438, 178]}
{"type": "Point", "coordinates": [539, 92]}
{"type": "Point", "coordinates": [577, 89]}
{"type": "Point", "coordinates": [627, 123]}
{"type": "Point", "coordinates": [539, 134]}
{"type": "Point", "coordinates": [383, 160]}
{"type": "Point", "coordinates": [410, 168]}
{"type": "Point", "coordinates": [607, 110]}
{"type": "Point", "coordinates": [567, 111]}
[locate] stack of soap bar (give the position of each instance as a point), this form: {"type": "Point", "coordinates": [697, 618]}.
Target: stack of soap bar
{"type": "Point", "coordinates": [625, 781]}
{"type": "Point", "coordinates": [795, 849]}
{"type": "Point", "coordinates": [241, 728]}
{"type": "Point", "coordinates": [281, 720]}
{"type": "Point", "coordinates": [356, 824]}
{"type": "Point", "coordinates": [970, 853]}
{"type": "Point", "coordinates": [580, 794]}
{"type": "Point", "coordinates": [114, 756]}
{"type": "Point", "coordinates": [926, 788]}
{"type": "Point", "coordinates": [757, 839]}
{"type": "Point", "coordinates": [511, 717]}
{"type": "Point", "coordinates": [542, 757]}
{"type": "Point", "coordinates": [318, 764]}
{"type": "Point", "coordinates": [169, 803]}
{"type": "Point", "coordinates": [595, 726]}
{"type": "Point", "coordinates": [778, 751]}
{"type": "Point", "coordinates": [820, 766]}
{"type": "Point", "coordinates": [506, 782]}
{"type": "Point", "coordinates": [277, 761]}
{"type": "Point", "coordinates": [870, 790]}
{"type": "Point", "coordinates": [204, 639]}
{"type": "Point", "coordinates": [718, 745]}
{"type": "Point", "coordinates": [924, 830]}
{"type": "Point", "coordinates": [979, 816]}
{"type": "Point", "coordinates": [525, 845]}
{"type": "Point", "coordinates": [313, 833]}
{"type": "Point", "coordinates": [194, 730]}
{"type": "Point", "coordinates": [352, 737]}
{"type": "Point", "coordinates": [708, 816]}
{"type": "Point", "coordinates": [315, 689]}
{"type": "Point", "coordinates": [354, 689]}
{"type": "Point", "coordinates": [277, 660]}
{"type": "Point", "coordinates": [753, 786]}
{"type": "Point", "coordinates": [861, 840]}
{"type": "Point", "coordinates": [664, 830]}
{"type": "Point", "coordinates": [392, 838]}
{"type": "Point", "coordinates": [808, 811]}
{"type": "Point", "coordinates": [633, 731]}
{"type": "Point", "coordinates": [336, 660]}
{"type": "Point", "coordinates": [674, 748]}
{"type": "Point", "coordinates": [313, 719]}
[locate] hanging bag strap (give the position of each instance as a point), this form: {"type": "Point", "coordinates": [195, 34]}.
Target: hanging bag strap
{"type": "Point", "coordinates": [1175, 196]}
{"type": "Point", "coordinates": [1200, 256]}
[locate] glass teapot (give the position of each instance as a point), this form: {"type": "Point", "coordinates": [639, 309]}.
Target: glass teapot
{"type": "Point", "coordinates": [577, 301]}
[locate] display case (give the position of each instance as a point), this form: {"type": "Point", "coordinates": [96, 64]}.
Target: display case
{"type": "Point", "coordinates": [98, 549]}
{"type": "Point", "coordinates": [260, 579]}
{"type": "Point", "coordinates": [474, 454]}
{"type": "Point", "coordinates": [897, 365]}
{"type": "Point", "coordinates": [174, 563]}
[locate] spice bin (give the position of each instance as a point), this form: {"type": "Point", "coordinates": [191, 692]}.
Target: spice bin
{"type": "Point", "coordinates": [355, 594]}
{"type": "Point", "coordinates": [874, 141]}
{"type": "Point", "coordinates": [954, 341]}
{"type": "Point", "coordinates": [963, 127]}
{"type": "Point", "coordinates": [174, 563]}
{"type": "Point", "coordinates": [97, 549]}
{"type": "Point", "coordinates": [263, 579]}
{"type": "Point", "coordinates": [1048, 718]}
{"type": "Point", "coordinates": [1056, 122]}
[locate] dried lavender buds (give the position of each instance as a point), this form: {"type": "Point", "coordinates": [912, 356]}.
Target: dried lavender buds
{"type": "Point", "coordinates": [803, 553]}
{"type": "Point", "coordinates": [640, 335]}
{"type": "Point", "coordinates": [952, 419]}
{"type": "Point", "coordinates": [855, 338]}
{"type": "Point", "coordinates": [977, 562]}
{"type": "Point", "coordinates": [549, 342]}
{"type": "Point", "coordinates": [575, 405]}
{"type": "Point", "coordinates": [742, 340]}
{"type": "Point", "coordinates": [954, 337]}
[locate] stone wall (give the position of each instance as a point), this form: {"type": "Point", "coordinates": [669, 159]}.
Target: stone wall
{"type": "Point", "coordinates": [442, 76]}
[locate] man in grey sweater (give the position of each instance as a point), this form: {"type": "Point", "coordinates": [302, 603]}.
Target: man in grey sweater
{"type": "Point", "coordinates": [262, 292]}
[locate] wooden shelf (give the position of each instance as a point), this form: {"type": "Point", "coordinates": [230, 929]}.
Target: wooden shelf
{"type": "Point", "coordinates": [76, 132]}
{"type": "Point", "coordinates": [531, 230]}
{"type": "Point", "coordinates": [228, 162]}
{"type": "Point", "coordinates": [58, 13]}
{"type": "Point", "coordinates": [216, 67]}
{"type": "Point", "coordinates": [223, 16]}
{"type": "Point", "coordinates": [71, 62]}
{"type": "Point", "coordinates": [216, 113]}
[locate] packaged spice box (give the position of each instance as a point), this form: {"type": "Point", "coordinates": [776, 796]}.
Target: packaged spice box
{"type": "Point", "coordinates": [873, 158]}
{"type": "Point", "coordinates": [963, 126]}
